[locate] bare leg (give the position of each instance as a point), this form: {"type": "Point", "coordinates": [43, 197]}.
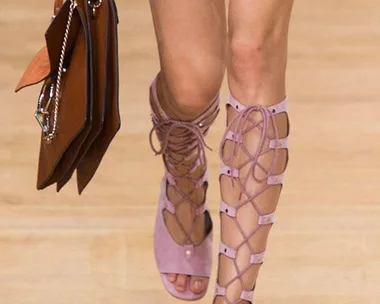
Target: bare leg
{"type": "Point", "coordinates": [191, 39]}
{"type": "Point", "coordinates": [191, 44]}
{"type": "Point", "coordinates": [258, 41]}
{"type": "Point", "coordinates": [256, 66]}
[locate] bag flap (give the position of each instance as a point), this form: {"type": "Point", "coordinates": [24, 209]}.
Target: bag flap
{"type": "Point", "coordinates": [37, 70]}
{"type": "Point", "coordinates": [74, 121]}
{"type": "Point", "coordinates": [47, 59]}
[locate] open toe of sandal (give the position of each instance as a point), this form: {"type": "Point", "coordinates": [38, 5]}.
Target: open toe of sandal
{"type": "Point", "coordinates": [186, 295]}
{"type": "Point", "coordinates": [188, 259]}
{"type": "Point", "coordinates": [181, 145]}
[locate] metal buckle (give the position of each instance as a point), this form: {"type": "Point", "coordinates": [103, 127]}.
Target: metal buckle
{"type": "Point", "coordinates": [42, 114]}
{"type": "Point", "coordinates": [41, 118]}
{"type": "Point", "coordinates": [94, 5]}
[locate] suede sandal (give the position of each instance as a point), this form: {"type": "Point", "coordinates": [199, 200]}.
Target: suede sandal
{"type": "Point", "coordinates": [182, 145]}
{"type": "Point", "coordinates": [252, 132]}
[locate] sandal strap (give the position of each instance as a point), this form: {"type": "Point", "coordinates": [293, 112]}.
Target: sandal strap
{"type": "Point", "coordinates": [171, 257]}
{"type": "Point", "coordinates": [257, 259]}
{"type": "Point", "coordinates": [241, 125]}
{"type": "Point", "coordinates": [227, 209]}
{"type": "Point", "coordinates": [199, 182]}
{"type": "Point", "coordinates": [219, 290]}
{"type": "Point", "coordinates": [278, 108]}
{"type": "Point", "coordinates": [233, 172]}
{"type": "Point", "coordinates": [267, 219]}
{"type": "Point", "coordinates": [276, 179]}
{"type": "Point", "coordinates": [226, 170]}
{"type": "Point", "coordinates": [281, 143]}
{"type": "Point", "coordinates": [170, 207]}
{"type": "Point", "coordinates": [231, 253]}
{"type": "Point", "coordinates": [233, 137]}
{"type": "Point", "coordinates": [188, 144]}
{"type": "Point", "coordinates": [281, 107]}
{"type": "Point", "coordinates": [182, 145]}
{"type": "Point", "coordinates": [227, 251]}
{"type": "Point", "coordinates": [246, 295]}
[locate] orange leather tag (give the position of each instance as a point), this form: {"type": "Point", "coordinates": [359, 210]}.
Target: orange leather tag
{"type": "Point", "coordinates": [37, 70]}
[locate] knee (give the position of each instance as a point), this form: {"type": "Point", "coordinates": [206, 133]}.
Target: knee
{"type": "Point", "coordinates": [194, 84]}
{"type": "Point", "coordinates": [254, 52]}
{"type": "Point", "coordinates": [248, 54]}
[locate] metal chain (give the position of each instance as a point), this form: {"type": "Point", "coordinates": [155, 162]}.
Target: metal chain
{"type": "Point", "coordinates": [55, 89]}
{"type": "Point", "coordinates": [61, 70]}
{"type": "Point", "coordinates": [94, 5]}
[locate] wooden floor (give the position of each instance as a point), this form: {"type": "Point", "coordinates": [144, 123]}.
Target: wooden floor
{"type": "Point", "coordinates": [97, 248]}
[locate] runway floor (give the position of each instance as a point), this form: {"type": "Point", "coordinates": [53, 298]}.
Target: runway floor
{"type": "Point", "coordinates": [97, 248]}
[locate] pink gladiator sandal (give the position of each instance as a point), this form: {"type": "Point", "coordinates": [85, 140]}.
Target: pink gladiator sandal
{"type": "Point", "coordinates": [185, 139]}
{"type": "Point", "coordinates": [239, 174]}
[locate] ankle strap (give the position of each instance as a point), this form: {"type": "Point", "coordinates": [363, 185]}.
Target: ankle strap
{"type": "Point", "coordinates": [278, 108]}
{"type": "Point", "coordinates": [181, 141]}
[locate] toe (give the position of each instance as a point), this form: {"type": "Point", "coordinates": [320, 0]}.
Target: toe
{"type": "Point", "coordinates": [180, 283]}
{"type": "Point", "coordinates": [198, 284]}
{"type": "Point", "coordinates": [172, 277]}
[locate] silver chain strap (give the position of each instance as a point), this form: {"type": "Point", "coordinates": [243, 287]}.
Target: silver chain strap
{"type": "Point", "coordinates": [53, 133]}
{"type": "Point", "coordinates": [42, 114]}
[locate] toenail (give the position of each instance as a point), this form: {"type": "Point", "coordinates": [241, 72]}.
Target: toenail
{"type": "Point", "coordinates": [197, 285]}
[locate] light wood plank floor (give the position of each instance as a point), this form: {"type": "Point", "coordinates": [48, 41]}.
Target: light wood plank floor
{"type": "Point", "coordinates": [97, 249]}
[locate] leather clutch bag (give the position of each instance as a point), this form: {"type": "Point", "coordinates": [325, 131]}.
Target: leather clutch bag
{"type": "Point", "coordinates": [78, 107]}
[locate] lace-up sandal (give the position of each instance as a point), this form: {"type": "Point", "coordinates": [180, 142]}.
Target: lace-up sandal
{"type": "Point", "coordinates": [182, 147]}
{"type": "Point", "coordinates": [254, 155]}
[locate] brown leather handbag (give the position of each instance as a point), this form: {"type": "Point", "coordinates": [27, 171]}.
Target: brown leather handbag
{"type": "Point", "coordinates": [78, 107]}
